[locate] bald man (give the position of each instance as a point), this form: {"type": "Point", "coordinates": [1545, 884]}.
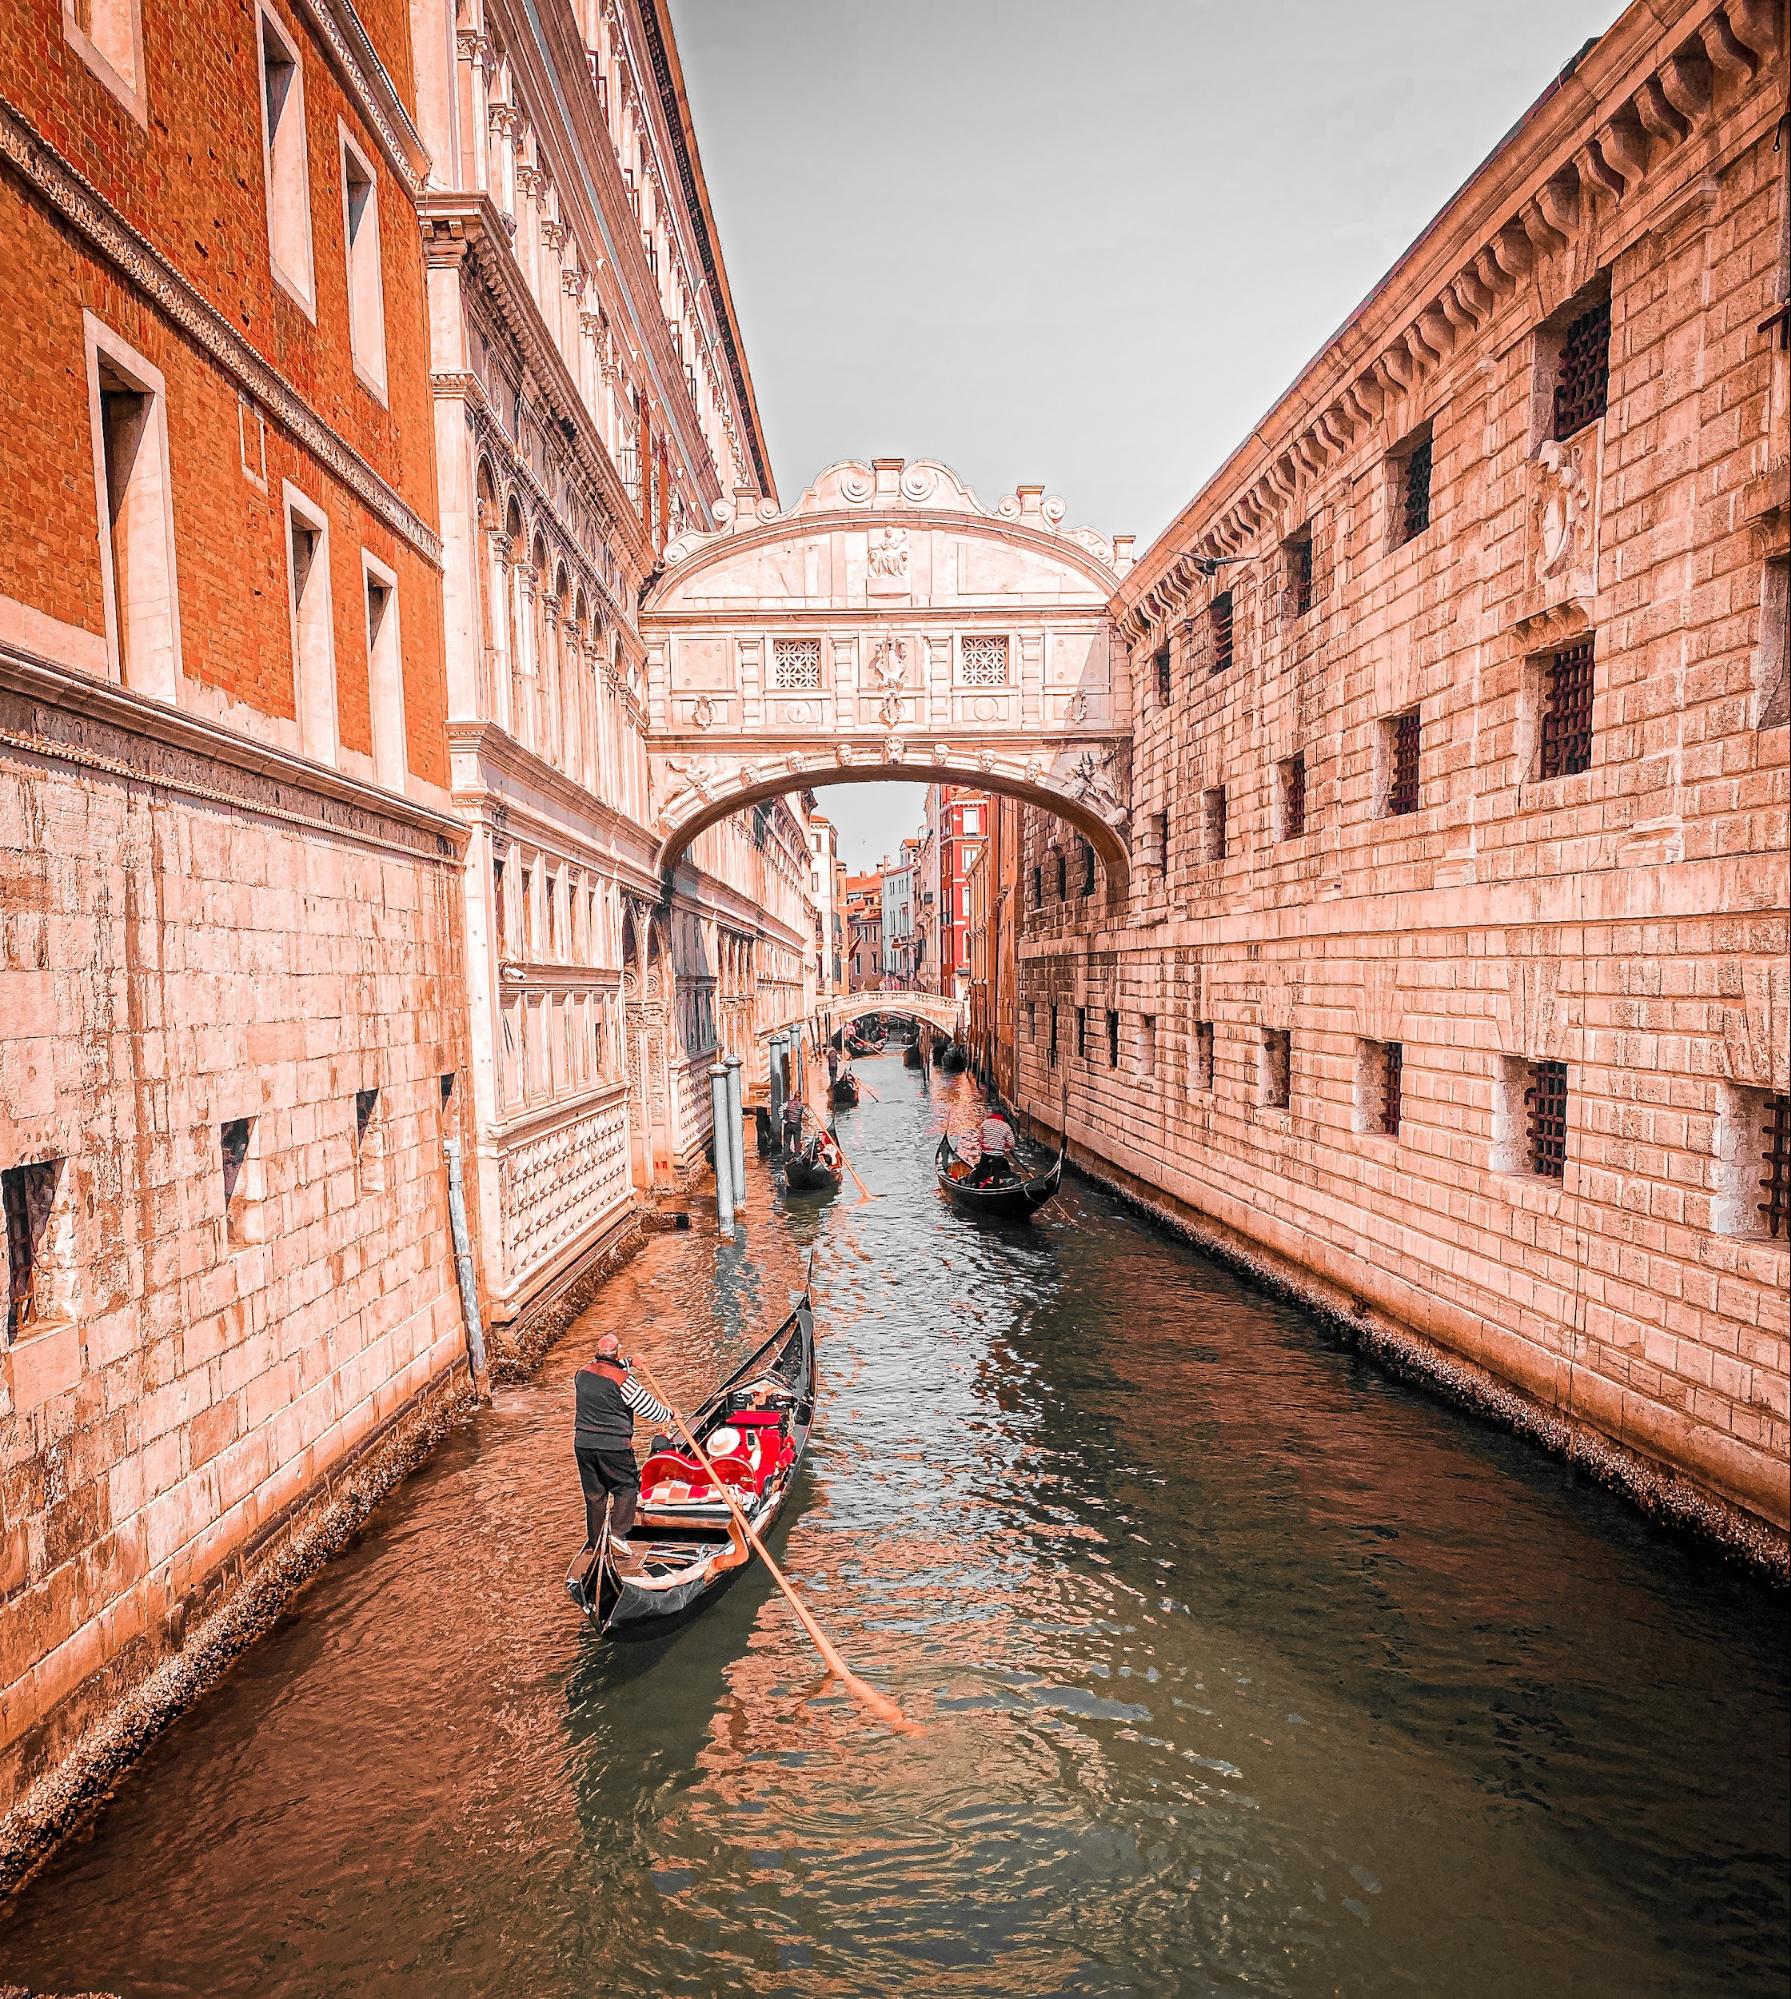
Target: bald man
{"type": "Point", "coordinates": [608, 1399]}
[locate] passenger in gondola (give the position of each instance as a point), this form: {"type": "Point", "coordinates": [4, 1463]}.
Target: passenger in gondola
{"type": "Point", "coordinates": [995, 1160]}
{"type": "Point", "coordinates": [607, 1400]}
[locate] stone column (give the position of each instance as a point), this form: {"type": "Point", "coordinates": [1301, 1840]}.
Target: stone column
{"type": "Point", "coordinates": [724, 1163]}
{"type": "Point", "coordinates": [736, 1124]}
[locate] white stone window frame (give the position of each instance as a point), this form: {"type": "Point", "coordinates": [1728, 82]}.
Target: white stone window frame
{"type": "Point", "coordinates": [1738, 1143]}
{"type": "Point", "coordinates": [116, 58]}
{"type": "Point", "coordinates": [363, 267]}
{"type": "Point", "coordinates": [385, 676]}
{"type": "Point", "coordinates": [287, 187]}
{"type": "Point", "coordinates": [1368, 1089]}
{"type": "Point", "coordinates": [961, 663]}
{"type": "Point", "coordinates": [313, 663]}
{"type": "Point", "coordinates": [244, 1213]}
{"type": "Point", "coordinates": [159, 676]}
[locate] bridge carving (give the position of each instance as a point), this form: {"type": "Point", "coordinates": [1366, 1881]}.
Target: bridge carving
{"type": "Point", "coordinates": [889, 625]}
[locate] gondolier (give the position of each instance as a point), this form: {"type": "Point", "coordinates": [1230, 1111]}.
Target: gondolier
{"type": "Point", "coordinates": [995, 1139]}
{"type": "Point", "coordinates": [607, 1402]}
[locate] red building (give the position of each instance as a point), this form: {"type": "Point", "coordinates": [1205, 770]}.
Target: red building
{"type": "Point", "coordinates": [957, 823]}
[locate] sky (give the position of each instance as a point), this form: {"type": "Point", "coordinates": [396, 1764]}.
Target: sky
{"type": "Point", "coordinates": [1084, 242]}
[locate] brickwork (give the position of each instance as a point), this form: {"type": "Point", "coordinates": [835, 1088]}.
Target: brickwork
{"type": "Point", "coordinates": [1627, 919]}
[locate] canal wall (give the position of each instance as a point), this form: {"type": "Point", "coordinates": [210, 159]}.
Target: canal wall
{"type": "Point", "coordinates": [1449, 981]}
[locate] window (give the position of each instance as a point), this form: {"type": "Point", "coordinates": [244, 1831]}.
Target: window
{"type": "Point", "coordinates": [500, 914]}
{"type": "Point", "coordinates": [108, 37]}
{"type": "Point", "coordinates": [1220, 627]}
{"type": "Point", "coordinates": [369, 1142]}
{"type": "Point", "coordinates": [128, 409]}
{"type": "Point", "coordinates": [1275, 1069]}
{"type": "Point", "coordinates": [1411, 487]}
{"type": "Point", "coordinates": [1401, 745]}
{"type": "Point", "coordinates": [313, 632]}
{"type": "Point", "coordinates": [1038, 887]}
{"type": "Point", "coordinates": [1583, 368]}
{"type": "Point", "coordinates": [1290, 798]}
{"type": "Point", "coordinates": [285, 160]}
{"type": "Point", "coordinates": [1380, 1067]}
{"type": "Point", "coordinates": [1753, 1174]}
{"type": "Point", "coordinates": [1112, 1039]}
{"type": "Point", "coordinates": [983, 658]}
{"type": "Point", "coordinates": [1063, 875]}
{"type": "Point", "coordinates": [1052, 1056]}
{"type": "Point", "coordinates": [1564, 739]}
{"type": "Point", "coordinates": [1541, 1092]}
{"type": "Point", "coordinates": [1159, 840]}
{"type": "Point", "coordinates": [1081, 1034]}
{"type": "Point", "coordinates": [1203, 1054]}
{"type": "Point", "coordinates": [450, 1077]}
{"type": "Point", "coordinates": [1088, 868]}
{"type": "Point", "coordinates": [366, 277]}
{"type": "Point", "coordinates": [28, 1196]}
{"type": "Point", "coordinates": [385, 672]}
{"type": "Point", "coordinates": [1032, 1022]}
{"type": "Point", "coordinates": [243, 1190]}
{"type": "Point", "coordinates": [1161, 663]}
{"type": "Point", "coordinates": [1212, 812]}
{"type": "Point", "coordinates": [796, 666]}
{"type": "Point", "coordinates": [1296, 552]}
{"type": "Point", "coordinates": [1772, 656]}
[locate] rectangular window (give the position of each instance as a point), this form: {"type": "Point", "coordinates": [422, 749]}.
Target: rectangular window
{"type": "Point", "coordinates": [1411, 487]}
{"type": "Point", "coordinates": [1164, 687]}
{"type": "Point", "coordinates": [1212, 812]}
{"type": "Point", "coordinates": [286, 160]}
{"type": "Point", "coordinates": [1220, 627]}
{"type": "Point", "coordinates": [313, 627]}
{"type": "Point", "coordinates": [28, 1195]}
{"type": "Point", "coordinates": [108, 37]}
{"type": "Point", "coordinates": [796, 666]}
{"type": "Point", "coordinates": [128, 408]}
{"type": "Point", "coordinates": [1296, 553]}
{"type": "Point", "coordinates": [1772, 655]}
{"type": "Point", "coordinates": [1038, 887]}
{"type": "Point", "coordinates": [1112, 1039]}
{"type": "Point", "coordinates": [385, 673]}
{"type": "Point", "coordinates": [1401, 748]}
{"type": "Point", "coordinates": [1275, 1075]}
{"type": "Point", "coordinates": [1088, 868]}
{"type": "Point", "coordinates": [1159, 837]}
{"type": "Point", "coordinates": [1147, 1047]}
{"type": "Point", "coordinates": [1081, 1034]}
{"type": "Point", "coordinates": [1564, 735]}
{"type": "Point", "coordinates": [1380, 1069]}
{"type": "Point", "coordinates": [1203, 1054]}
{"type": "Point", "coordinates": [1053, 1025]}
{"type": "Point", "coordinates": [448, 1079]}
{"type": "Point", "coordinates": [1290, 798]}
{"type": "Point", "coordinates": [500, 913]}
{"type": "Point", "coordinates": [1062, 862]}
{"type": "Point", "coordinates": [983, 660]}
{"type": "Point", "coordinates": [366, 276]}
{"type": "Point", "coordinates": [1582, 385]}
{"type": "Point", "coordinates": [243, 1188]}
{"type": "Point", "coordinates": [1545, 1119]}
{"type": "Point", "coordinates": [1753, 1163]}
{"type": "Point", "coordinates": [369, 1142]}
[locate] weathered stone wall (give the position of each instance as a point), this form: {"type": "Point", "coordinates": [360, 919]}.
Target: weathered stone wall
{"type": "Point", "coordinates": [1627, 919]}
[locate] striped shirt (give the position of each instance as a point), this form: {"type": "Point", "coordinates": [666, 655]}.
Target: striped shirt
{"type": "Point", "coordinates": [644, 1402]}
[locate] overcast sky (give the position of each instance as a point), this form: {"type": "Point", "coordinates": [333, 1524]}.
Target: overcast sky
{"type": "Point", "coordinates": [1086, 242]}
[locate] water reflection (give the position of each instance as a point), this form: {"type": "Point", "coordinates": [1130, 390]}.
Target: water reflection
{"type": "Point", "coordinates": [1243, 1667]}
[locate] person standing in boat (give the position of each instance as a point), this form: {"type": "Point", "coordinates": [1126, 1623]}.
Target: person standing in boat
{"type": "Point", "coordinates": [795, 1110]}
{"type": "Point", "coordinates": [996, 1140]}
{"type": "Point", "coordinates": [607, 1400]}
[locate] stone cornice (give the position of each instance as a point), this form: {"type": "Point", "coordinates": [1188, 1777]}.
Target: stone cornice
{"type": "Point", "coordinates": [339, 31]}
{"type": "Point", "coordinates": [99, 224]}
{"type": "Point", "coordinates": [598, 827]}
{"type": "Point", "coordinates": [139, 720]}
{"type": "Point", "coordinates": [1666, 73]}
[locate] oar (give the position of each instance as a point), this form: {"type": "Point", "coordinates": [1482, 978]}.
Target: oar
{"type": "Point", "coordinates": [864, 1193]}
{"type": "Point", "coordinates": [867, 1696]}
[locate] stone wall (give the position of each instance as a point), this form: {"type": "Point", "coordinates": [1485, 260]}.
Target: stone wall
{"type": "Point", "coordinates": [1289, 922]}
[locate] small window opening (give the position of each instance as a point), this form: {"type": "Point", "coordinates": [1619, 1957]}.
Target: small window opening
{"type": "Point", "coordinates": [1291, 784]}
{"type": "Point", "coordinates": [1403, 744]}
{"type": "Point", "coordinates": [1112, 1039]}
{"type": "Point", "coordinates": [1545, 1119]}
{"type": "Point", "coordinates": [1212, 803]}
{"type": "Point", "coordinates": [1297, 553]}
{"type": "Point", "coordinates": [28, 1196]}
{"type": "Point", "coordinates": [1564, 740]}
{"type": "Point", "coordinates": [1221, 631]}
{"type": "Point", "coordinates": [1277, 1068]}
{"type": "Point", "coordinates": [1203, 1054]}
{"type": "Point", "coordinates": [1583, 369]}
{"type": "Point", "coordinates": [1412, 466]}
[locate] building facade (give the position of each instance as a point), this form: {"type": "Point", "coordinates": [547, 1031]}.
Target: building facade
{"type": "Point", "coordinates": [898, 917]}
{"type": "Point", "coordinates": [992, 882]}
{"type": "Point", "coordinates": [232, 1040]}
{"type": "Point", "coordinates": [956, 824]}
{"type": "Point", "coordinates": [1450, 984]}
{"type": "Point", "coordinates": [864, 930]}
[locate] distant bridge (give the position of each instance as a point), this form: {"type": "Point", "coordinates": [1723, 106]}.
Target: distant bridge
{"type": "Point", "coordinates": [936, 1009]}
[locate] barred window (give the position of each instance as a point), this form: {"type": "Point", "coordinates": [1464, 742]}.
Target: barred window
{"type": "Point", "coordinates": [1063, 875]}
{"type": "Point", "coordinates": [1545, 1119]}
{"type": "Point", "coordinates": [1564, 741]}
{"type": "Point", "coordinates": [1081, 1034]}
{"type": "Point", "coordinates": [984, 658]}
{"type": "Point", "coordinates": [1297, 550]}
{"type": "Point", "coordinates": [1221, 629]}
{"type": "Point", "coordinates": [1583, 371]}
{"type": "Point", "coordinates": [796, 666]}
{"type": "Point", "coordinates": [1775, 1164]}
{"type": "Point", "coordinates": [1112, 1039]}
{"type": "Point", "coordinates": [1161, 662]}
{"type": "Point", "coordinates": [1088, 867]}
{"type": "Point", "coordinates": [1404, 741]}
{"type": "Point", "coordinates": [1053, 1025]}
{"type": "Point", "coordinates": [1277, 1068]}
{"type": "Point", "coordinates": [1159, 840]}
{"type": "Point", "coordinates": [1212, 805]}
{"type": "Point", "coordinates": [1381, 1087]}
{"type": "Point", "coordinates": [1292, 783]}
{"type": "Point", "coordinates": [1412, 492]}
{"type": "Point", "coordinates": [1203, 1055]}
{"type": "Point", "coordinates": [1038, 887]}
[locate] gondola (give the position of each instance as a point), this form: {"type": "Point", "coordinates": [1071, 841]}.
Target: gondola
{"type": "Point", "coordinates": [754, 1430]}
{"type": "Point", "coordinates": [953, 1057]}
{"type": "Point", "coordinates": [805, 1171]}
{"type": "Point", "coordinates": [843, 1090]}
{"type": "Point", "coordinates": [911, 1054]}
{"type": "Point", "coordinates": [1015, 1198]}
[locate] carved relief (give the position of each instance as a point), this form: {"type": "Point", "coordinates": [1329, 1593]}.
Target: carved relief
{"type": "Point", "coordinates": [886, 570]}
{"type": "Point", "coordinates": [1563, 517]}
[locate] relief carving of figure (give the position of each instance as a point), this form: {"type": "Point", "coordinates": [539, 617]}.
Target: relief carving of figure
{"type": "Point", "coordinates": [1564, 508]}
{"type": "Point", "coordinates": [697, 774]}
{"type": "Point", "coordinates": [1090, 777]}
{"type": "Point", "coordinates": [886, 569]}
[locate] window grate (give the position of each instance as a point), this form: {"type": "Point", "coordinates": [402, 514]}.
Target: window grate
{"type": "Point", "coordinates": [1215, 823]}
{"type": "Point", "coordinates": [1112, 1039]}
{"type": "Point", "coordinates": [1775, 1165]}
{"type": "Point", "coordinates": [1203, 1055]}
{"type": "Point", "coordinates": [1293, 798]}
{"type": "Point", "coordinates": [1164, 688]}
{"type": "Point", "coordinates": [1053, 1034]}
{"type": "Point", "coordinates": [1583, 374]}
{"type": "Point", "coordinates": [985, 660]}
{"type": "Point", "coordinates": [1402, 787]}
{"type": "Point", "coordinates": [1038, 887]}
{"type": "Point", "coordinates": [1545, 1103]}
{"type": "Point", "coordinates": [1063, 876]}
{"type": "Point", "coordinates": [796, 666]}
{"type": "Point", "coordinates": [1565, 746]}
{"type": "Point", "coordinates": [27, 1194]}
{"type": "Point", "coordinates": [1081, 1034]}
{"type": "Point", "coordinates": [1277, 1048]}
{"type": "Point", "coordinates": [1299, 572]}
{"type": "Point", "coordinates": [1415, 493]}
{"type": "Point", "coordinates": [1221, 629]}
{"type": "Point", "coordinates": [1088, 868]}
{"type": "Point", "coordinates": [1392, 1086]}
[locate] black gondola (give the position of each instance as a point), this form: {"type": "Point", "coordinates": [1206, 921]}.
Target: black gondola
{"type": "Point", "coordinates": [754, 1430]}
{"type": "Point", "coordinates": [843, 1090]}
{"type": "Point", "coordinates": [807, 1170]}
{"type": "Point", "coordinates": [911, 1054]}
{"type": "Point", "coordinates": [1015, 1196]}
{"type": "Point", "coordinates": [953, 1057]}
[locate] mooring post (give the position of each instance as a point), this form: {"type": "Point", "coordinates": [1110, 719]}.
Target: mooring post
{"type": "Point", "coordinates": [777, 1086]}
{"type": "Point", "coordinates": [737, 1127]}
{"type": "Point", "coordinates": [724, 1158]}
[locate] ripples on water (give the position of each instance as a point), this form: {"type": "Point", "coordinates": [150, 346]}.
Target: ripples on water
{"type": "Point", "coordinates": [1244, 1668]}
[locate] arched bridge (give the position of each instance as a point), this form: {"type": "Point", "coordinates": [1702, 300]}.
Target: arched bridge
{"type": "Point", "coordinates": [890, 625]}
{"type": "Point", "coordinates": [936, 1009]}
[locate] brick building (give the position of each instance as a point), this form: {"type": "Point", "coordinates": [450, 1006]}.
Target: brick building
{"type": "Point", "coordinates": [232, 1037]}
{"type": "Point", "coordinates": [953, 830]}
{"type": "Point", "coordinates": [1450, 983]}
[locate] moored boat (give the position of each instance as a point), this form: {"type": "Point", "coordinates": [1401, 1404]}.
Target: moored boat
{"type": "Point", "coordinates": [754, 1431]}
{"type": "Point", "coordinates": [953, 1057]}
{"type": "Point", "coordinates": [843, 1090]}
{"type": "Point", "coordinates": [911, 1054]}
{"type": "Point", "coordinates": [817, 1167]}
{"type": "Point", "coordinates": [1014, 1195]}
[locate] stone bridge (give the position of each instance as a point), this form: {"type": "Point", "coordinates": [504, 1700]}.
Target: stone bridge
{"type": "Point", "coordinates": [937, 1010]}
{"type": "Point", "coordinates": [890, 625]}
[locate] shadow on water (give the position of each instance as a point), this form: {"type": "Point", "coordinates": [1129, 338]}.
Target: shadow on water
{"type": "Point", "coordinates": [1243, 1667]}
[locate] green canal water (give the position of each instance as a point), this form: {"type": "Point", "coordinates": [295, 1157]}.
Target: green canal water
{"type": "Point", "coordinates": [1242, 1668]}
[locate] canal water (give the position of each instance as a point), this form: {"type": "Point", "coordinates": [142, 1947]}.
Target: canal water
{"type": "Point", "coordinates": [1241, 1668]}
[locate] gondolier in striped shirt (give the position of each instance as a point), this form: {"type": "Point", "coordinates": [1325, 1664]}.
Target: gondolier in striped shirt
{"type": "Point", "coordinates": [608, 1399]}
{"type": "Point", "coordinates": [996, 1156]}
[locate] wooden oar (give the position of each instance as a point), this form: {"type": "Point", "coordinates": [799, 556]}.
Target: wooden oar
{"type": "Point", "coordinates": [864, 1193]}
{"type": "Point", "coordinates": [866, 1695]}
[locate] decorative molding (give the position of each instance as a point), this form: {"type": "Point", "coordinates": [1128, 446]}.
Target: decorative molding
{"type": "Point", "coordinates": [88, 212]}
{"type": "Point", "coordinates": [370, 87]}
